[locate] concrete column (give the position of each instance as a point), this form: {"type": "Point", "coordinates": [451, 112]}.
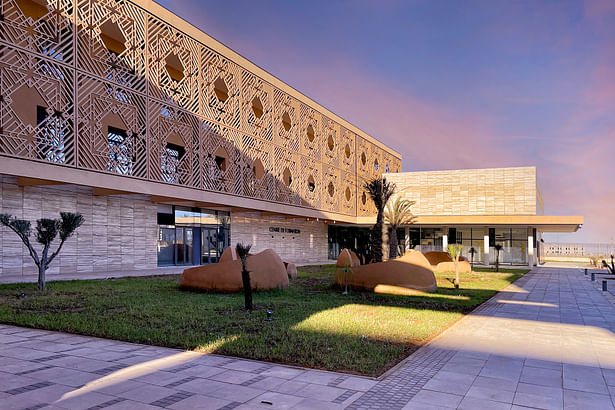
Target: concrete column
{"type": "Point", "coordinates": [530, 248]}
{"type": "Point", "coordinates": [486, 249]}
{"type": "Point", "coordinates": [407, 233]}
{"type": "Point", "coordinates": [444, 242]}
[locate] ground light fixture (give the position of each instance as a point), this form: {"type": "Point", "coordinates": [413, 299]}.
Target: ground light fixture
{"type": "Point", "coordinates": [269, 317]}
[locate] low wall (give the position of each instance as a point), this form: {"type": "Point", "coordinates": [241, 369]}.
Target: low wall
{"type": "Point", "coordinates": [278, 233]}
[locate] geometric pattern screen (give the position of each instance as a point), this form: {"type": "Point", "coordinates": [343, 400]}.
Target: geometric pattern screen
{"type": "Point", "coordinates": [107, 86]}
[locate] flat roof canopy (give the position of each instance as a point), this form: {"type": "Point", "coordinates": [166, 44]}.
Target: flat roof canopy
{"type": "Point", "coordinates": [543, 223]}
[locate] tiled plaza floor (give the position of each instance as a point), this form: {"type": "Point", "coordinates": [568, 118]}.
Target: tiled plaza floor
{"type": "Point", "coordinates": [544, 342]}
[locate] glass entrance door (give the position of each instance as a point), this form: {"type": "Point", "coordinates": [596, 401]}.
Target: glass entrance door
{"type": "Point", "coordinates": [183, 246]}
{"type": "Point", "coordinates": [209, 245]}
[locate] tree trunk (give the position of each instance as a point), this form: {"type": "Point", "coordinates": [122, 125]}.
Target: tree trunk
{"type": "Point", "coordinates": [247, 289]}
{"type": "Point", "coordinates": [393, 243]}
{"type": "Point", "coordinates": [42, 268]}
{"type": "Point", "coordinates": [377, 238]}
{"type": "Point", "coordinates": [457, 271]}
{"type": "Point", "coordinates": [41, 276]}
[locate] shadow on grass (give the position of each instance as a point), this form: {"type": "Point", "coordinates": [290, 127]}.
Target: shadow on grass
{"type": "Point", "coordinates": [313, 324]}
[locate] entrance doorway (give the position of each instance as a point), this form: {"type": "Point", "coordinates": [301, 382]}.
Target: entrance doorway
{"type": "Point", "coordinates": [183, 246]}
{"type": "Point", "coordinates": [209, 245]}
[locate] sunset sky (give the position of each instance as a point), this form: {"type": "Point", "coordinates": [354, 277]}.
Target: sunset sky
{"type": "Point", "coordinates": [453, 84]}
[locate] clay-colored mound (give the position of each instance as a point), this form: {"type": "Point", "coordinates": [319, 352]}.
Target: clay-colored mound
{"type": "Point", "coordinates": [436, 257]}
{"type": "Point", "coordinates": [291, 270]}
{"type": "Point", "coordinates": [267, 271]}
{"type": "Point", "coordinates": [410, 271]}
{"type": "Point", "coordinates": [347, 258]}
{"type": "Point", "coordinates": [464, 267]}
{"type": "Point", "coordinates": [442, 262]}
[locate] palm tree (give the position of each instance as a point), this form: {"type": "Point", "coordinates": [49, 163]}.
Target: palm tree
{"type": "Point", "coordinates": [454, 251]}
{"type": "Point", "coordinates": [397, 214]}
{"type": "Point", "coordinates": [380, 191]}
{"type": "Point", "coordinates": [242, 252]}
{"type": "Point", "coordinates": [497, 248]}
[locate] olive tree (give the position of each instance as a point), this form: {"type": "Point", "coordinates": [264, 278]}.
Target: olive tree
{"type": "Point", "coordinates": [454, 251]}
{"type": "Point", "coordinates": [46, 231]}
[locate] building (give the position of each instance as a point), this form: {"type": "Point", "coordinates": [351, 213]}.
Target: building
{"type": "Point", "coordinates": [477, 208]}
{"type": "Point", "coordinates": [172, 145]}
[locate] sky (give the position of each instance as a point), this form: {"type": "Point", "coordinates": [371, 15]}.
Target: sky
{"type": "Point", "coordinates": [453, 84]}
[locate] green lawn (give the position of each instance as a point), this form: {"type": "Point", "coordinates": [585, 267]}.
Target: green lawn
{"type": "Point", "coordinates": [314, 324]}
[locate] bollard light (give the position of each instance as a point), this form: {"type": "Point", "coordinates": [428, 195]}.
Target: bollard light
{"type": "Point", "coordinates": [593, 276]}
{"type": "Point", "coordinates": [604, 288]}
{"type": "Point", "coordinates": [585, 271]}
{"type": "Point", "coordinates": [269, 315]}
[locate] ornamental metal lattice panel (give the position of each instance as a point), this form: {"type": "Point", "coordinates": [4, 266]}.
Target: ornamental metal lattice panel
{"type": "Point", "coordinates": [107, 86]}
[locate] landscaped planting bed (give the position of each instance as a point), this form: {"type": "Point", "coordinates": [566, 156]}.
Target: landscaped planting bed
{"type": "Point", "coordinates": [313, 324]}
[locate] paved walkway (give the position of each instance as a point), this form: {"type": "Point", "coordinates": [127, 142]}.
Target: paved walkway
{"type": "Point", "coordinates": [544, 342]}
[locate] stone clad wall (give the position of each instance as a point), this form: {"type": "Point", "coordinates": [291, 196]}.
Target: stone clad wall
{"type": "Point", "coordinates": [308, 246]}
{"type": "Point", "coordinates": [119, 233]}
{"type": "Point", "coordinates": [494, 191]}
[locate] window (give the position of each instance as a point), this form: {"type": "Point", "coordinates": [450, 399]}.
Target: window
{"type": "Point", "coordinates": [364, 198]}
{"type": "Point", "coordinates": [257, 107]}
{"type": "Point", "coordinates": [330, 143]}
{"type": "Point", "coordinates": [258, 169]}
{"type": "Point", "coordinates": [386, 168]}
{"type": "Point", "coordinates": [376, 165]}
{"type": "Point", "coordinates": [112, 37]}
{"type": "Point", "coordinates": [171, 157]}
{"type": "Point", "coordinates": [311, 184]}
{"type": "Point", "coordinates": [221, 90]}
{"type": "Point", "coordinates": [121, 157]}
{"type": "Point", "coordinates": [348, 194]}
{"type": "Point", "coordinates": [34, 9]}
{"type": "Point", "coordinates": [310, 133]}
{"type": "Point", "coordinates": [174, 67]}
{"type": "Point", "coordinates": [221, 159]}
{"type": "Point", "coordinates": [50, 138]}
{"type": "Point", "coordinates": [286, 121]}
{"type": "Point", "coordinates": [287, 178]}
{"type": "Point", "coordinates": [331, 189]}
{"type": "Point", "coordinates": [363, 158]}
{"type": "Point", "coordinates": [347, 151]}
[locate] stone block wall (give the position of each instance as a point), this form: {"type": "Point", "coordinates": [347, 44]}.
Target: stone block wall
{"type": "Point", "coordinates": [493, 191]}
{"type": "Point", "coordinates": [119, 233]}
{"type": "Point", "coordinates": [308, 246]}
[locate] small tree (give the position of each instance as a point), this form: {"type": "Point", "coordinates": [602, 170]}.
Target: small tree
{"type": "Point", "coordinates": [380, 191]}
{"type": "Point", "coordinates": [397, 214]}
{"type": "Point", "coordinates": [46, 231]}
{"type": "Point", "coordinates": [497, 248]}
{"type": "Point", "coordinates": [243, 251]}
{"type": "Point", "coordinates": [454, 251]}
{"type": "Point", "coordinates": [472, 252]}
{"type": "Point", "coordinates": [610, 267]}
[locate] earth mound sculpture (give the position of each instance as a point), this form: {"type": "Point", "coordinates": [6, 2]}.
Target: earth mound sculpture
{"type": "Point", "coordinates": [442, 262]}
{"type": "Point", "coordinates": [410, 271]}
{"type": "Point", "coordinates": [267, 271]}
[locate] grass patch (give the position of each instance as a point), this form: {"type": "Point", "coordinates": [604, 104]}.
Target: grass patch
{"type": "Point", "coordinates": [314, 324]}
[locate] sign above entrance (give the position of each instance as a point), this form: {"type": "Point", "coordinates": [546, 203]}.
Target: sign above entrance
{"type": "Point", "coordinates": [283, 230]}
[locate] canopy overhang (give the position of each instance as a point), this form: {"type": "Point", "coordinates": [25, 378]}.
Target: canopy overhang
{"type": "Point", "coordinates": [543, 223]}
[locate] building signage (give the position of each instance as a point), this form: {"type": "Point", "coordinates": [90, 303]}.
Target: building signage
{"type": "Point", "coordinates": [283, 230]}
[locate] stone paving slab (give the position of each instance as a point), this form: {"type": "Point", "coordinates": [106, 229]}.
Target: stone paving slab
{"type": "Point", "coordinates": [545, 341]}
